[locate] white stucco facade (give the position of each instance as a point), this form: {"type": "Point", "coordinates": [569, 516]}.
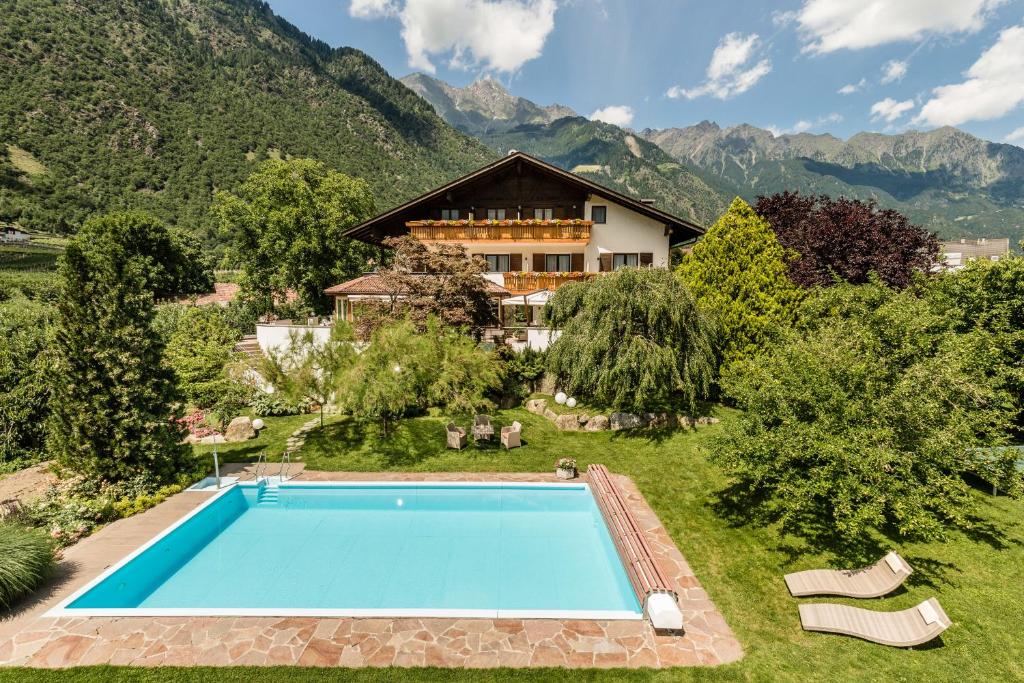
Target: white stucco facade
{"type": "Point", "coordinates": [625, 232]}
{"type": "Point", "coordinates": [278, 337]}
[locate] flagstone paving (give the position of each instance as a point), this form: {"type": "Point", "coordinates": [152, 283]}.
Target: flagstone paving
{"type": "Point", "coordinates": [32, 640]}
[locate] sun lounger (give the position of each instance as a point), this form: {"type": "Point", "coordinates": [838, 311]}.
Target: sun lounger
{"type": "Point", "coordinates": [879, 579]}
{"type": "Point", "coordinates": [908, 628]}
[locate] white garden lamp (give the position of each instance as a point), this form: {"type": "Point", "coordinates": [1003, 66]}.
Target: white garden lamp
{"type": "Point", "coordinates": [570, 402]}
{"type": "Point", "coordinates": [560, 397]}
{"type": "Point", "coordinates": [258, 424]}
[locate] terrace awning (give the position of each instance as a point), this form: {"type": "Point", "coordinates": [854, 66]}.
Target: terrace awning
{"type": "Point", "coordinates": [538, 298]}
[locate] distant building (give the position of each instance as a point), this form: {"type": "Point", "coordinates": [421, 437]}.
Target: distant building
{"type": "Point", "coordinates": [11, 235]}
{"type": "Point", "coordinates": [956, 253]}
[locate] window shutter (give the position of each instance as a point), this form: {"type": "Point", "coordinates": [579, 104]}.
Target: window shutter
{"type": "Point", "coordinates": [515, 262]}
{"type": "Point", "coordinates": [577, 263]}
{"type": "Point", "coordinates": [540, 263]}
{"type": "Point", "coordinates": [646, 259]}
{"type": "Point", "coordinates": [606, 263]}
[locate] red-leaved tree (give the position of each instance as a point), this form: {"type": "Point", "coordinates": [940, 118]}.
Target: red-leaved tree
{"type": "Point", "coordinates": [847, 239]}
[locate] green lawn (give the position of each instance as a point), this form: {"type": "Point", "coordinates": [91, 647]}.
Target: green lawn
{"type": "Point", "coordinates": [977, 577]}
{"type": "Point", "coordinates": [271, 439]}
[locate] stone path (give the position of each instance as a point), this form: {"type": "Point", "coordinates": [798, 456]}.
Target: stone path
{"type": "Point", "coordinates": [32, 640]}
{"type": "Point", "coordinates": [298, 438]}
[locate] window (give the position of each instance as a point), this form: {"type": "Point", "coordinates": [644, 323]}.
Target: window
{"type": "Point", "coordinates": [449, 214]}
{"type": "Point", "coordinates": [599, 214]}
{"type": "Point", "coordinates": [625, 260]}
{"type": "Point", "coordinates": [497, 263]}
{"type": "Point", "coordinates": [495, 214]}
{"type": "Point", "coordinates": [558, 263]}
{"type": "Point", "coordinates": [543, 214]}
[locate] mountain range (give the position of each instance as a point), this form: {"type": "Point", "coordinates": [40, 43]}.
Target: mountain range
{"type": "Point", "coordinates": [155, 105]}
{"type": "Point", "coordinates": [945, 179]}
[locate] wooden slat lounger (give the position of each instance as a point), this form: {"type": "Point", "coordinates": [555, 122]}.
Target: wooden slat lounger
{"type": "Point", "coordinates": [908, 628]}
{"type": "Point", "coordinates": [879, 579]}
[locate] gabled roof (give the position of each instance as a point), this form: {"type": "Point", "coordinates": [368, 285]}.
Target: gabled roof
{"type": "Point", "coordinates": [681, 229]}
{"type": "Point", "coordinates": [373, 283]}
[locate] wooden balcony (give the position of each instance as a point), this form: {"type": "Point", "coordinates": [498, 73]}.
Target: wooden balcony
{"type": "Point", "coordinates": [523, 283]}
{"type": "Point", "coordinates": [559, 231]}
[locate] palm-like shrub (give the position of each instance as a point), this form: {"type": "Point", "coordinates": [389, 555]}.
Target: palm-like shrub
{"type": "Point", "coordinates": [26, 560]}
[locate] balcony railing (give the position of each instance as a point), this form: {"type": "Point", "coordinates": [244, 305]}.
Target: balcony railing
{"type": "Point", "coordinates": [521, 283]}
{"type": "Point", "coordinates": [559, 230]}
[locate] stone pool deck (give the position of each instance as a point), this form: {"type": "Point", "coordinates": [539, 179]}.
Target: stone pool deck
{"type": "Point", "coordinates": [29, 639]}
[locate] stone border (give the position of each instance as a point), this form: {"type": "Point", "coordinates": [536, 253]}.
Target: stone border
{"type": "Point", "coordinates": [187, 641]}
{"type": "Point", "coordinates": [574, 422]}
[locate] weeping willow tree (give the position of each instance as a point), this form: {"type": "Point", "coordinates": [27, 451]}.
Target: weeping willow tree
{"type": "Point", "coordinates": [633, 340]}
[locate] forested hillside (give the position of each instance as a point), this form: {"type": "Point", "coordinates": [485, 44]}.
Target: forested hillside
{"type": "Point", "coordinates": [154, 104]}
{"type": "Point", "coordinates": [618, 159]}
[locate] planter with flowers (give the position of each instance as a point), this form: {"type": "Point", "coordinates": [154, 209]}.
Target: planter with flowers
{"type": "Point", "coordinates": [565, 468]}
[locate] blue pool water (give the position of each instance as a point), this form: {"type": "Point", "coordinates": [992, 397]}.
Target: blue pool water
{"type": "Point", "coordinates": [388, 548]}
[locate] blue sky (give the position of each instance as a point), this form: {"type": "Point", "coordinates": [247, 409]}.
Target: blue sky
{"type": "Point", "coordinates": [838, 66]}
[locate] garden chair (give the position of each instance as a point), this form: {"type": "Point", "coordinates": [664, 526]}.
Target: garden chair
{"type": "Point", "coordinates": [881, 578]}
{"type": "Point", "coordinates": [908, 628]}
{"type": "Point", "coordinates": [456, 436]}
{"type": "Point", "coordinates": [510, 436]}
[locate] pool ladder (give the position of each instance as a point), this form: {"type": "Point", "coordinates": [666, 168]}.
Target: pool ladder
{"type": "Point", "coordinates": [268, 494]}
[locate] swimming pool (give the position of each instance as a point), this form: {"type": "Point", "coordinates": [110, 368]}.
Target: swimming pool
{"type": "Point", "coordinates": [375, 549]}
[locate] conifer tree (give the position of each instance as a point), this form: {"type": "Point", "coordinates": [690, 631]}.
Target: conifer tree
{"type": "Point", "coordinates": [738, 273]}
{"type": "Point", "coordinates": [112, 393]}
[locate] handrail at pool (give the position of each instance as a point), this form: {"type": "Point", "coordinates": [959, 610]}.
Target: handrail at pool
{"type": "Point", "coordinates": [637, 557]}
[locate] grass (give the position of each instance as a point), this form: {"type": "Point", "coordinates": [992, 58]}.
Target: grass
{"type": "Point", "coordinates": [976, 576]}
{"type": "Point", "coordinates": [26, 560]}
{"type": "Point", "coordinates": [271, 439]}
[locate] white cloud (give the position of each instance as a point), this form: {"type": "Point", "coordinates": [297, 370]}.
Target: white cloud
{"type": "Point", "coordinates": [893, 70]}
{"type": "Point", "coordinates": [495, 35]}
{"type": "Point", "coordinates": [834, 117]}
{"type": "Point", "coordinates": [774, 130]}
{"type": "Point", "coordinates": [731, 71]}
{"type": "Point", "coordinates": [371, 9]}
{"type": "Point", "coordinates": [616, 114]}
{"type": "Point", "coordinates": [804, 125]}
{"type": "Point", "coordinates": [801, 126]}
{"type": "Point", "coordinates": [829, 25]}
{"type": "Point", "coordinates": [994, 85]}
{"type": "Point", "coordinates": [890, 110]}
{"type": "Point", "coordinates": [1016, 136]}
{"type": "Point", "coordinates": [851, 88]}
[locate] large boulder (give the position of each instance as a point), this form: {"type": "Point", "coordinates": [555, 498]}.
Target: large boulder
{"type": "Point", "coordinates": [707, 420]}
{"type": "Point", "coordinates": [550, 414]}
{"type": "Point", "coordinates": [240, 429]}
{"type": "Point", "coordinates": [568, 423]}
{"type": "Point", "coordinates": [619, 421]}
{"type": "Point", "coordinates": [536, 405]}
{"type": "Point", "coordinates": [685, 421]}
{"type": "Point", "coordinates": [598, 423]}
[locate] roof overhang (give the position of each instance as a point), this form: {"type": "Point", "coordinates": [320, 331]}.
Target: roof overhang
{"type": "Point", "coordinates": [376, 229]}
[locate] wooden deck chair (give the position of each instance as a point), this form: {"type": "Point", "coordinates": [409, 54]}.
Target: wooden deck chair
{"type": "Point", "coordinates": [879, 579]}
{"type": "Point", "coordinates": [908, 628]}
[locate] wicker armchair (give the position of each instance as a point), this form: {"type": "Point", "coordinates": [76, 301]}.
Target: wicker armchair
{"type": "Point", "coordinates": [510, 436]}
{"type": "Point", "coordinates": [456, 436]}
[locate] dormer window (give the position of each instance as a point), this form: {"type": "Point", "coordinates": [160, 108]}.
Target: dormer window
{"type": "Point", "coordinates": [449, 214]}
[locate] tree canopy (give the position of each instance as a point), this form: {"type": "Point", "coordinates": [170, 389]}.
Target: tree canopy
{"type": "Point", "coordinates": [863, 418]}
{"type": "Point", "coordinates": [739, 274]}
{"type": "Point", "coordinates": [421, 283]}
{"type": "Point", "coordinates": [634, 339]}
{"type": "Point", "coordinates": [111, 393]}
{"type": "Point", "coordinates": [847, 239]}
{"type": "Point", "coordinates": [287, 225]}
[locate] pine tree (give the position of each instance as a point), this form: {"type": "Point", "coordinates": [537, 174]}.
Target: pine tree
{"type": "Point", "coordinates": [112, 393]}
{"type": "Point", "coordinates": [738, 273]}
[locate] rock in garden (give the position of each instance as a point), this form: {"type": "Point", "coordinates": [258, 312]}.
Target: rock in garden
{"type": "Point", "coordinates": [598, 423]}
{"type": "Point", "coordinates": [626, 421]}
{"type": "Point", "coordinates": [685, 421]}
{"type": "Point", "coordinates": [550, 414]}
{"type": "Point", "coordinates": [212, 439]}
{"type": "Point", "coordinates": [707, 420]}
{"type": "Point", "coordinates": [536, 405]}
{"type": "Point", "coordinates": [584, 418]}
{"type": "Point", "coordinates": [240, 429]}
{"type": "Point", "coordinates": [567, 423]}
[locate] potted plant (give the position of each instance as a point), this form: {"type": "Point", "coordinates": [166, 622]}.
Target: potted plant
{"type": "Point", "coordinates": [565, 468]}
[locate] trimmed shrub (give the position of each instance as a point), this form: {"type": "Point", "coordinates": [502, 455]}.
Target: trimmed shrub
{"type": "Point", "coordinates": [26, 560]}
